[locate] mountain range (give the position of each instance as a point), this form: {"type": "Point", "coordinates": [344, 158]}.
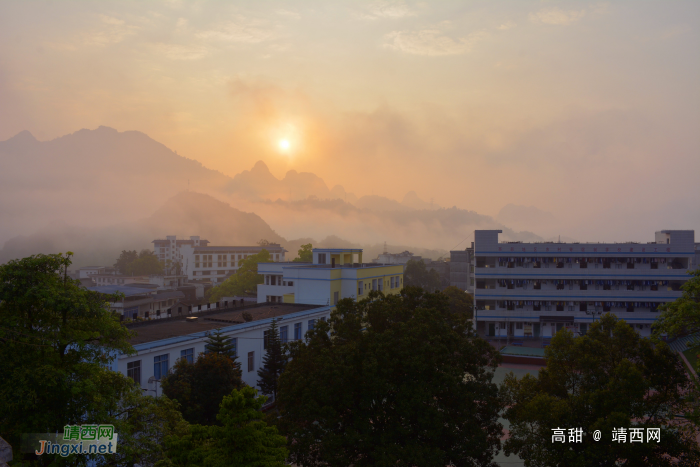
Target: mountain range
{"type": "Point", "coordinates": [97, 192]}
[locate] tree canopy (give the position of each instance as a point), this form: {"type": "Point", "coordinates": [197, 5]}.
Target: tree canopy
{"type": "Point", "coordinates": [274, 362]}
{"type": "Point", "coordinates": [200, 387]}
{"type": "Point", "coordinates": [137, 264]}
{"type": "Point", "coordinates": [306, 254]}
{"type": "Point", "coordinates": [391, 380]}
{"type": "Point", "coordinates": [55, 339]}
{"type": "Point", "coordinates": [610, 378]}
{"type": "Point", "coordinates": [241, 439]}
{"type": "Point", "coordinates": [417, 275]}
{"type": "Point", "coordinates": [125, 258]}
{"type": "Point", "coordinates": [146, 264]}
{"type": "Point", "coordinates": [460, 301]}
{"type": "Point", "coordinates": [244, 281]}
{"type": "Point", "coordinates": [682, 316]}
{"type": "Point", "coordinates": [218, 343]}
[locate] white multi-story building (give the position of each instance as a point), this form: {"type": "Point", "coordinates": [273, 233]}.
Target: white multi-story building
{"type": "Point", "coordinates": [159, 344]}
{"type": "Point", "coordinates": [219, 262]}
{"type": "Point", "coordinates": [535, 289]}
{"type": "Point", "coordinates": [335, 273]}
{"type": "Point", "coordinates": [198, 260]}
{"type": "Point", "coordinates": [169, 249]}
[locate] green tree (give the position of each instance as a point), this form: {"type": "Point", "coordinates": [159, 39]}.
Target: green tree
{"type": "Point", "coordinates": [55, 339]}
{"type": "Point", "coordinates": [242, 439]}
{"type": "Point", "coordinates": [604, 380]}
{"type": "Point", "coordinates": [245, 280]}
{"type": "Point", "coordinates": [145, 265]}
{"type": "Point", "coordinates": [274, 362]}
{"type": "Point", "coordinates": [460, 301]}
{"type": "Point", "coordinates": [679, 317]}
{"type": "Point", "coordinates": [682, 316]}
{"type": "Point", "coordinates": [143, 423]}
{"type": "Point", "coordinates": [391, 380]}
{"type": "Point", "coordinates": [417, 275]}
{"type": "Point", "coordinates": [200, 387]}
{"type": "Point", "coordinates": [218, 343]}
{"type": "Point", "coordinates": [306, 254]}
{"type": "Point", "coordinates": [125, 258]}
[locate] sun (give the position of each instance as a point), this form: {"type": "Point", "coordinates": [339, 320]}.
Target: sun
{"type": "Point", "coordinates": [284, 144]}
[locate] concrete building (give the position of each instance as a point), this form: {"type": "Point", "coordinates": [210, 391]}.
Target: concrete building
{"type": "Point", "coordinates": [395, 258]}
{"type": "Point", "coordinates": [169, 249]}
{"type": "Point", "coordinates": [219, 262]}
{"type": "Point", "coordinates": [161, 281]}
{"type": "Point", "coordinates": [335, 273]}
{"type": "Point", "coordinates": [142, 302]}
{"type": "Point", "coordinates": [535, 289]}
{"type": "Point", "coordinates": [462, 269]}
{"type": "Point", "coordinates": [88, 272]}
{"type": "Point", "coordinates": [159, 344]}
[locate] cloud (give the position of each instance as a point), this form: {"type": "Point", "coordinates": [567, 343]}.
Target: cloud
{"type": "Point", "coordinates": [181, 52]}
{"type": "Point", "coordinates": [507, 25]}
{"type": "Point", "coordinates": [432, 42]}
{"type": "Point", "coordinates": [388, 9]}
{"type": "Point", "coordinates": [241, 29]}
{"type": "Point", "coordinates": [288, 13]}
{"type": "Point", "coordinates": [113, 31]}
{"type": "Point", "coordinates": [556, 16]}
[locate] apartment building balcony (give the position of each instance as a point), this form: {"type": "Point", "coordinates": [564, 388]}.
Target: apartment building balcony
{"type": "Point", "coordinates": [527, 314]}
{"type": "Point", "coordinates": [575, 272]}
{"type": "Point", "coordinates": [575, 293]}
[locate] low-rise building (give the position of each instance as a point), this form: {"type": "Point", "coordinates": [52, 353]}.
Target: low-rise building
{"type": "Point", "coordinates": [335, 273]}
{"type": "Point", "coordinates": [462, 269]}
{"type": "Point", "coordinates": [216, 263]}
{"type": "Point", "coordinates": [160, 344]}
{"type": "Point", "coordinates": [142, 302]}
{"type": "Point", "coordinates": [396, 258]}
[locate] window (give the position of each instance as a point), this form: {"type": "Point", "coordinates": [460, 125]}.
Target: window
{"type": "Point", "coordinates": [290, 283]}
{"type": "Point", "coordinates": [297, 331]}
{"type": "Point", "coordinates": [321, 258]}
{"type": "Point", "coordinates": [234, 346]}
{"type": "Point", "coordinates": [160, 366]}
{"type": "Point", "coordinates": [359, 288]}
{"type": "Point", "coordinates": [196, 257]}
{"type": "Point", "coordinates": [283, 334]}
{"type": "Point", "coordinates": [187, 354]}
{"type": "Point", "coordinates": [133, 371]}
{"type": "Point", "coordinates": [266, 339]}
{"type": "Point", "coordinates": [251, 361]}
{"type": "Point", "coordinates": [335, 298]}
{"type": "Point", "coordinates": [374, 284]}
{"type": "Point", "coordinates": [391, 282]}
{"type": "Point", "coordinates": [518, 325]}
{"type": "Point", "coordinates": [311, 324]}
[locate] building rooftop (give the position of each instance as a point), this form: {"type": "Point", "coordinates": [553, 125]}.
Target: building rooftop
{"type": "Point", "coordinates": [274, 246]}
{"type": "Point", "coordinates": [127, 290]}
{"type": "Point", "coordinates": [178, 326]}
{"type": "Point", "coordinates": [168, 294]}
{"type": "Point", "coordinates": [293, 265]}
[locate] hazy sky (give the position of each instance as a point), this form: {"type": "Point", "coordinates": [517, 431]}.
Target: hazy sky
{"type": "Point", "coordinates": [589, 110]}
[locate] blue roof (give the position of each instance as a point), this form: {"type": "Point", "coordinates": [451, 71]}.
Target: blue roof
{"type": "Point", "coordinates": [125, 289]}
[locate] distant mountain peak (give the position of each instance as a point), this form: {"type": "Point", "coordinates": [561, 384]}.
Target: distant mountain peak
{"type": "Point", "coordinates": [260, 166]}
{"type": "Point", "coordinates": [23, 136]}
